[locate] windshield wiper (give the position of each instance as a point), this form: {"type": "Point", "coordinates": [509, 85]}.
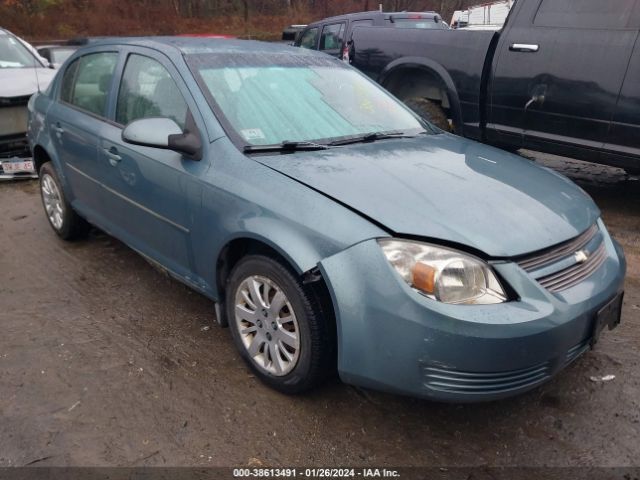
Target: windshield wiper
{"type": "Point", "coordinates": [285, 147]}
{"type": "Point", "coordinates": [371, 137]}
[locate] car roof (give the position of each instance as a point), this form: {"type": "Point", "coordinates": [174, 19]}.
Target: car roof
{"type": "Point", "coordinates": [198, 45]}
{"type": "Point", "coordinates": [372, 14]}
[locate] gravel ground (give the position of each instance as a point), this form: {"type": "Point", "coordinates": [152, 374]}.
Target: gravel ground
{"type": "Point", "coordinates": [105, 361]}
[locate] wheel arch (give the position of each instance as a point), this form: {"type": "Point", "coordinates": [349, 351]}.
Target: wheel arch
{"type": "Point", "coordinates": [247, 244]}
{"type": "Point", "coordinates": [428, 76]}
{"type": "Point", "coordinates": [43, 153]}
{"type": "Point", "coordinates": [40, 157]}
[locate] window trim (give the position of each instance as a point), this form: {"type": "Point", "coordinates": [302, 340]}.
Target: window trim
{"type": "Point", "coordinates": [58, 95]}
{"type": "Point", "coordinates": [342, 41]}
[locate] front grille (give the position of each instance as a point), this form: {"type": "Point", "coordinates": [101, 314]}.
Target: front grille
{"type": "Point", "coordinates": [591, 243]}
{"type": "Point", "coordinates": [454, 381]}
{"type": "Point", "coordinates": [14, 101]}
{"type": "Point", "coordinates": [547, 257]}
{"type": "Point", "coordinates": [14, 146]}
{"type": "Point", "coordinates": [571, 276]}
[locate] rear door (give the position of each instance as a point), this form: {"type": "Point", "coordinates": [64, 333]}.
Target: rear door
{"type": "Point", "coordinates": [154, 194]}
{"type": "Point", "coordinates": [559, 69]}
{"type": "Point", "coordinates": [623, 147]}
{"type": "Point", "coordinates": [75, 121]}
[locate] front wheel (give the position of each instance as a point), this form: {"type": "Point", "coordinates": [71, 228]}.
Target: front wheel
{"type": "Point", "coordinates": [62, 218]}
{"type": "Point", "coordinates": [277, 325]}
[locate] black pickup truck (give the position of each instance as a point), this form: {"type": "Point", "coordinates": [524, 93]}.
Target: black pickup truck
{"type": "Point", "coordinates": [562, 77]}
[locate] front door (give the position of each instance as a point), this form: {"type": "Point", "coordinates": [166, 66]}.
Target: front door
{"type": "Point", "coordinates": [154, 193]}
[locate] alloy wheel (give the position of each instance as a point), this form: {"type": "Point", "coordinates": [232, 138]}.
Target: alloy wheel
{"type": "Point", "coordinates": [53, 202]}
{"type": "Point", "coordinates": [267, 325]}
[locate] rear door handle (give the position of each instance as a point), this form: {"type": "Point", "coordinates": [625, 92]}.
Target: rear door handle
{"type": "Point", "coordinates": [58, 129]}
{"type": "Point", "coordinates": [112, 154]}
{"type": "Point", "coordinates": [524, 47]}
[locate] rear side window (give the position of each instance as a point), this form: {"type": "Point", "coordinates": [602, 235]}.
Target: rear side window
{"type": "Point", "coordinates": [147, 90]}
{"type": "Point", "coordinates": [87, 81]}
{"type": "Point", "coordinates": [309, 38]}
{"type": "Point", "coordinates": [332, 38]}
{"type": "Point", "coordinates": [68, 81]}
{"type": "Point", "coordinates": [594, 14]}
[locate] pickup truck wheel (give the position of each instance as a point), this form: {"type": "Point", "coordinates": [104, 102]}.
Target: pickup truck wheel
{"type": "Point", "coordinates": [430, 111]}
{"type": "Point", "coordinates": [276, 325]}
{"type": "Point", "coordinates": [61, 216]}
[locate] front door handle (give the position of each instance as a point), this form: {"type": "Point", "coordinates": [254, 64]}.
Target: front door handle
{"type": "Point", "coordinates": [524, 47]}
{"type": "Point", "coordinates": [112, 154]}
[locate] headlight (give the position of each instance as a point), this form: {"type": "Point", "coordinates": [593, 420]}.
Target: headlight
{"type": "Point", "coordinates": [443, 274]}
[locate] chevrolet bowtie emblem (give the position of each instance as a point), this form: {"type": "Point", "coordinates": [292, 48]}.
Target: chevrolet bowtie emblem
{"type": "Point", "coordinates": [581, 256]}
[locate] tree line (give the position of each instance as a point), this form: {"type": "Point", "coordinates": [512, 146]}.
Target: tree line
{"type": "Point", "coordinates": [263, 19]}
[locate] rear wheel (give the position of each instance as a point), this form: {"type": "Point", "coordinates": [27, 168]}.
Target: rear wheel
{"type": "Point", "coordinates": [277, 325]}
{"type": "Point", "coordinates": [430, 111]}
{"type": "Point", "coordinates": [62, 218]}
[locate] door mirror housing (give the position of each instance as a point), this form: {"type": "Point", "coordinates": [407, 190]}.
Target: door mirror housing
{"type": "Point", "coordinates": [164, 133]}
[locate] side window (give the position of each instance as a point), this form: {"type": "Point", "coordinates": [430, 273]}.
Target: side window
{"type": "Point", "coordinates": [147, 90]}
{"type": "Point", "coordinates": [332, 38]}
{"type": "Point", "coordinates": [309, 38]}
{"type": "Point", "coordinates": [87, 80]}
{"type": "Point", "coordinates": [595, 14]}
{"type": "Point", "coordinates": [68, 81]}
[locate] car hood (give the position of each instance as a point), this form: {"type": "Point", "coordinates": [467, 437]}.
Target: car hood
{"type": "Point", "coordinates": [20, 82]}
{"type": "Point", "coordinates": [442, 187]}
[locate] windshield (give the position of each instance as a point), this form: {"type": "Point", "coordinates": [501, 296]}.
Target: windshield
{"type": "Point", "coordinates": [14, 54]}
{"type": "Point", "coordinates": [270, 99]}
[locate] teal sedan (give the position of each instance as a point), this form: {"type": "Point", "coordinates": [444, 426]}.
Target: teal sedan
{"type": "Point", "coordinates": [331, 227]}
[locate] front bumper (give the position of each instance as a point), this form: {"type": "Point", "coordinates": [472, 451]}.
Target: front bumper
{"type": "Point", "coordinates": [392, 338]}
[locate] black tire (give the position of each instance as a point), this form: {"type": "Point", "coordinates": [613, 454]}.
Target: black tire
{"type": "Point", "coordinates": [314, 357]}
{"type": "Point", "coordinates": [430, 111]}
{"type": "Point", "coordinates": [73, 226]}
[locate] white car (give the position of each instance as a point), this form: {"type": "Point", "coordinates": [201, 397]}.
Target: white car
{"type": "Point", "coordinates": [22, 73]}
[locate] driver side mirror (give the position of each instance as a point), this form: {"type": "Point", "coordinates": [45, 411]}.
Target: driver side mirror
{"type": "Point", "coordinates": [164, 133]}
